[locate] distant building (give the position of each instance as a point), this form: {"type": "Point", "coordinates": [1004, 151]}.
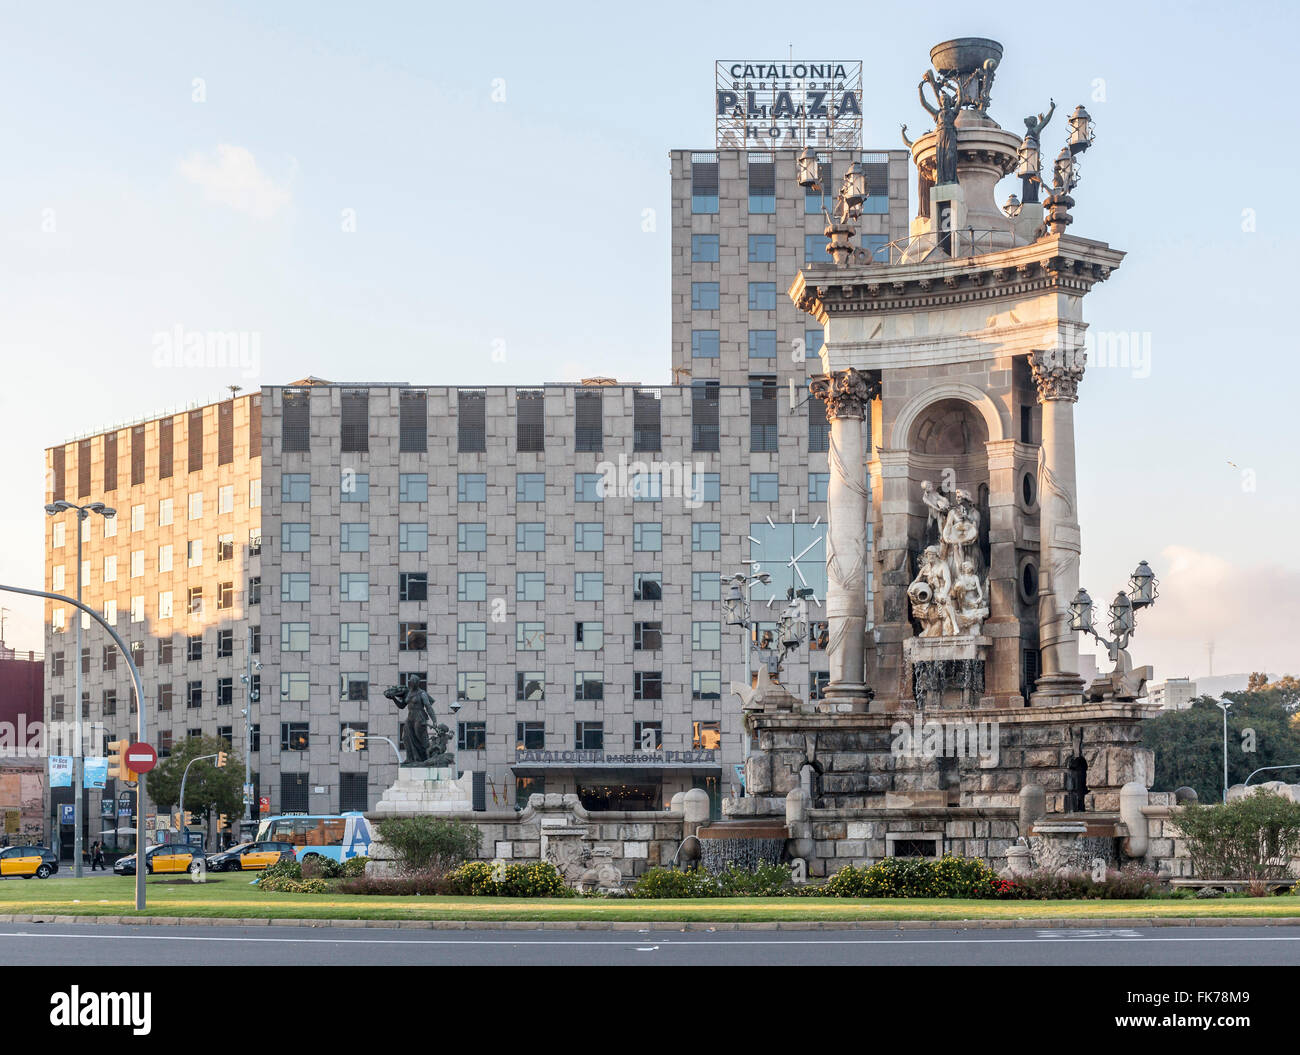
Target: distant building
{"type": "Point", "coordinates": [22, 778]}
{"type": "Point", "coordinates": [1176, 694]}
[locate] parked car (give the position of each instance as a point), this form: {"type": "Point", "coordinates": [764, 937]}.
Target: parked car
{"type": "Point", "coordinates": [250, 857]}
{"type": "Point", "coordinates": [28, 861]}
{"type": "Point", "coordinates": [168, 857]}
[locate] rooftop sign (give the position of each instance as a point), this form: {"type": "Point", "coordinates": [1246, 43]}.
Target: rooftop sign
{"type": "Point", "coordinates": [783, 103]}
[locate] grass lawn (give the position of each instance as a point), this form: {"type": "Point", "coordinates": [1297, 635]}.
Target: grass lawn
{"type": "Point", "coordinates": [235, 896]}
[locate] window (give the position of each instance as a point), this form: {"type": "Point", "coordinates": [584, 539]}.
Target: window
{"type": "Point", "coordinates": [589, 736]}
{"type": "Point", "coordinates": [295, 687]}
{"type": "Point", "coordinates": [589, 586]}
{"type": "Point", "coordinates": [818, 485]}
{"type": "Point", "coordinates": [704, 415]}
{"type": "Point", "coordinates": [413, 487]}
{"type": "Point", "coordinates": [137, 518]}
{"type": "Point", "coordinates": [530, 586]}
{"type": "Point", "coordinates": [706, 736]}
{"type": "Point", "coordinates": [588, 636]}
{"type": "Point", "coordinates": [255, 590]}
{"type": "Point", "coordinates": [530, 487]}
{"type": "Point", "coordinates": [471, 637]}
{"type": "Point", "coordinates": [705, 296]}
{"type": "Point", "coordinates": [254, 541]}
{"type": "Point", "coordinates": [354, 637]}
{"type": "Point", "coordinates": [110, 657]}
{"type": "Point", "coordinates": [414, 538]}
{"type": "Point", "coordinates": [706, 536]}
{"type": "Point", "coordinates": [137, 455]}
{"type": "Point", "coordinates": [226, 499]}
{"type": "Point", "coordinates": [225, 547]}
{"type": "Point", "coordinates": [471, 586]}
{"type": "Point", "coordinates": [471, 487]}
{"type": "Point", "coordinates": [293, 786]}
{"type": "Point", "coordinates": [819, 428]}
{"type": "Point", "coordinates": [166, 447]}
{"type": "Point", "coordinates": [704, 249]}
{"type": "Point", "coordinates": [530, 736]}
{"type": "Point", "coordinates": [413, 586]}
{"type": "Point", "coordinates": [588, 537]}
{"type": "Point", "coordinates": [762, 183]}
{"type": "Point", "coordinates": [471, 421]}
{"type": "Point", "coordinates": [295, 487]}
{"type": "Point", "coordinates": [647, 736]}
{"type": "Point", "coordinates": [164, 697]}
{"type": "Point", "coordinates": [413, 423]}
{"type": "Point", "coordinates": [110, 701]}
{"type": "Point", "coordinates": [530, 637]}
{"type": "Point", "coordinates": [704, 183]}
{"type": "Point", "coordinates": [530, 537]}
{"type": "Point", "coordinates": [817, 682]}
{"type": "Point", "coordinates": [354, 538]}
{"type": "Point", "coordinates": [295, 538]}
{"type": "Point", "coordinates": [647, 586]}
{"type": "Point", "coordinates": [164, 651]}
{"type": "Point", "coordinates": [194, 552]}
{"type": "Point", "coordinates": [530, 685]}
{"type": "Point", "coordinates": [588, 487]}
{"type": "Point", "coordinates": [255, 494]}
{"type": "Point", "coordinates": [707, 487]}
{"type": "Point", "coordinates": [647, 685]}
{"type": "Point", "coordinates": [194, 600]}
{"type": "Point", "coordinates": [762, 249]}
{"type": "Point", "coordinates": [530, 419]}
{"type": "Point", "coordinates": [762, 296]}
{"type": "Point", "coordinates": [647, 538]}
{"type": "Point", "coordinates": [471, 686]}
{"type": "Point", "coordinates": [706, 636]}
{"type": "Point", "coordinates": [59, 620]}
{"type": "Point", "coordinates": [763, 487]}
{"type": "Point", "coordinates": [165, 558]}
{"type": "Point", "coordinates": [705, 586]}
{"type": "Point", "coordinates": [225, 595]}
{"type": "Point", "coordinates": [57, 579]}
{"type": "Point", "coordinates": [762, 344]}
{"type": "Point", "coordinates": [294, 736]}
{"type": "Point", "coordinates": [645, 486]}
{"type": "Point", "coordinates": [110, 569]}
{"type": "Point", "coordinates": [705, 344]}
{"type": "Point", "coordinates": [354, 686]}
{"type": "Point", "coordinates": [110, 611]}
{"type": "Point", "coordinates": [110, 526]}
{"type": "Point", "coordinates": [814, 250]}
{"type": "Point", "coordinates": [471, 736]}
{"type": "Point", "coordinates": [762, 413]}
{"type": "Point", "coordinates": [137, 654]}
{"type": "Point", "coordinates": [588, 685]}
{"type": "Point", "coordinates": [295, 637]}
{"type": "Point", "coordinates": [706, 685]}
{"type": "Point", "coordinates": [194, 694]}
{"type": "Point", "coordinates": [225, 644]}
{"type": "Point", "coordinates": [354, 487]}
{"type": "Point", "coordinates": [255, 645]}
{"type": "Point", "coordinates": [196, 505]}
{"type": "Point", "coordinates": [812, 346]}
{"type": "Point", "coordinates": [876, 167]}
{"type": "Point", "coordinates": [588, 420]}
{"type": "Point", "coordinates": [194, 431]}
{"type": "Point", "coordinates": [295, 420]}
{"type": "Point", "coordinates": [354, 586]}
{"type": "Point", "coordinates": [412, 637]}
{"type": "Point", "coordinates": [648, 636]}
{"type": "Point", "coordinates": [353, 791]}
{"type": "Point", "coordinates": [646, 407]}
{"type": "Point", "coordinates": [225, 691]}
{"type": "Point", "coordinates": [59, 533]}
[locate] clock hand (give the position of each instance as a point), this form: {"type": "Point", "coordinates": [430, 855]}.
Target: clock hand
{"type": "Point", "coordinates": [808, 547]}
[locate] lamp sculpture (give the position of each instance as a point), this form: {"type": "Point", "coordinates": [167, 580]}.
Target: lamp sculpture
{"type": "Point", "coordinates": [1065, 172]}
{"type": "Point", "coordinates": [1124, 682]}
{"type": "Point", "coordinates": [842, 220]}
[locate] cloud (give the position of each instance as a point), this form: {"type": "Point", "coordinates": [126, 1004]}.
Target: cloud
{"type": "Point", "coordinates": [231, 177]}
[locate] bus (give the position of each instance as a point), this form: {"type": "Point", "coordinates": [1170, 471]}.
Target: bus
{"type": "Point", "coordinates": [338, 836]}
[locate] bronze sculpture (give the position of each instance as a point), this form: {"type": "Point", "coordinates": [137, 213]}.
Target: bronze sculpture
{"type": "Point", "coordinates": [945, 126]}
{"type": "Point", "coordinates": [423, 737]}
{"type": "Point", "coordinates": [1030, 154]}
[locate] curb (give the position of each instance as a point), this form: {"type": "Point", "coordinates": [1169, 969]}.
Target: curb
{"type": "Point", "coordinates": [1071, 923]}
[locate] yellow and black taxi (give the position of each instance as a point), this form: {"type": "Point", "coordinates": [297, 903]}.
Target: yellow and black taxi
{"type": "Point", "coordinates": [28, 862]}
{"type": "Point", "coordinates": [167, 857]}
{"type": "Point", "coordinates": [249, 857]}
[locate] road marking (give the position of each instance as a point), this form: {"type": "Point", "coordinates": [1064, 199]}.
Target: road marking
{"type": "Point", "coordinates": [1076, 935]}
{"type": "Point", "coordinates": [684, 942]}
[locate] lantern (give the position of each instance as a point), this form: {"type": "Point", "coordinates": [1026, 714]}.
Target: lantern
{"type": "Point", "coordinates": [1081, 131]}
{"type": "Point", "coordinates": [854, 186]}
{"type": "Point", "coordinates": [1142, 586]}
{"type": "Point", "coordinates": [1067, 171]}
{"type": "Point", "coordinates": [1012, 206]}
{"type": "Point", "coordinates": [1028, 161]}
{"type": "Point", "coordinates": [1081, 611]}
{"type": "Point", "coordinates": [1121, 617]}
{"type": "Point", "coordinates": [808, 169]}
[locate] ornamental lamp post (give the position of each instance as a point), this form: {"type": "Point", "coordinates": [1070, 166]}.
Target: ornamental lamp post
{"type": "Point", "coordinates": [1066, 171]}
{"type": "Point", "coordinates": [808, 169]}
{"type": "Point", "coordinates": [853, 189]}
{"type": "Point", "coordinates": [1082, 132]}
{"type": "Point", "coordinates": [1081, 612]}
{"type": "Point", "coordinates": [1121, 617]}
{"type": "Point", "coordinates": [1142, 586]}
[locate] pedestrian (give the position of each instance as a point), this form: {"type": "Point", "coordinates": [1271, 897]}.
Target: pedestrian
{"type": "Point", "coordinates": [97, 858]}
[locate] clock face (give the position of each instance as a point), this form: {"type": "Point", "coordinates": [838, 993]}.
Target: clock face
{"type": "Point", "coordinates": [793, 554]}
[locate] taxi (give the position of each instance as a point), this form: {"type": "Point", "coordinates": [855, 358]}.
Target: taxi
{"type": "Point", "coordinates": [249, 857]}
{"type": "Point", "coordinates": [167, 857]}
{"type": "Point", "coordinates": [28, 862]}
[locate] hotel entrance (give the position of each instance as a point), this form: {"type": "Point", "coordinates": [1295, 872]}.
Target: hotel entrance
{"type": "Point", "coordinates": [614, 790]}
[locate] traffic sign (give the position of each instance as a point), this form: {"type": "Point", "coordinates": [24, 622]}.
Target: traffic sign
{"type": "Point", "coordinates": [140, 758]}
{"type": "Point", "coordinates": [264, 805]}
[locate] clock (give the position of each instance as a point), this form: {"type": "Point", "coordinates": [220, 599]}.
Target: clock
{"type": "Point", "coordinates": [793, 554]}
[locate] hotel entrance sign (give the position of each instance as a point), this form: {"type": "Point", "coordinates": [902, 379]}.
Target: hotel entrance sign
{"type": "Point", "coordinates": [784, 103]}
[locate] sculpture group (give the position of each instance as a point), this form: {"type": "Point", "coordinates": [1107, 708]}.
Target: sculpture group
{"type": "Point", "coordinates": [947, 596]}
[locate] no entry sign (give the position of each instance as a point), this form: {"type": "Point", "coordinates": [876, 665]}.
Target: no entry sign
{"type": "Point", "coordinates": [140, 758]}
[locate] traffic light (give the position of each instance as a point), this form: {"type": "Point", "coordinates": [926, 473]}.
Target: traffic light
{"type": "Point", "coordinates": [189, 818]}
{"type": "Point", "coordinates": [222, 759]}
{"type": "Point", "coordinates": [223, 821]}
{"type": "Point", "coordinates": [178, 820]}
{"type": "Point", "coordinates": [358, 740]}
{"type": "Point", "coordinates": [117, 768]}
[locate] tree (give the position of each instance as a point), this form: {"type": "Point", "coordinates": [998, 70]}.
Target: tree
{"type": "Point", "coordinates": [1188, 744]}
{"type": "Point", "coordinates": [208, 790]}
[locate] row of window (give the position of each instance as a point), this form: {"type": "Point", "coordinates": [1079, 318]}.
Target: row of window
{"type": "Point", "coordinates": [761, 184]}
{"type": "Point", "coordinates": [166, 513]}
{"type": "Point", "coordinates": [762, 250]}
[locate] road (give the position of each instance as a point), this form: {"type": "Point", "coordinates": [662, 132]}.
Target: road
{"type": "Point", "coordinates": [28, 944]}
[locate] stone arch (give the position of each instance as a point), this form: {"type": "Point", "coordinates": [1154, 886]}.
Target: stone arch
{"type": "Point", "coordinates": [916, 406]}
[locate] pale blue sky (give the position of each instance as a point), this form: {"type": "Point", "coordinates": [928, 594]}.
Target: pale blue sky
{"type": "Point", "coordinates": [520, 221]}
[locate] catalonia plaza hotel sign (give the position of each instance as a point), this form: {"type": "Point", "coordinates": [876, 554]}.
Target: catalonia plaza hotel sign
{"type": "Point", "coordinates": [788, 104]}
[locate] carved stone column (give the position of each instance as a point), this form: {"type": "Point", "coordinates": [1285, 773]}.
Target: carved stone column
{"type": "Point", "coordinates": [1057, 373]}
{"type": "Point", "coordinates": [846, 394]}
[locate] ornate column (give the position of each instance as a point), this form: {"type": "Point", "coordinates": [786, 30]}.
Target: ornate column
{"type": "Point", "coordinates": [1057, 373]}
{"type": "Point", "coordinates": [846, 394]}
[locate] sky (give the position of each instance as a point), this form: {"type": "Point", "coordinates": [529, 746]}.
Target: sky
{"type": "Point", "coordinates": [480, 195]}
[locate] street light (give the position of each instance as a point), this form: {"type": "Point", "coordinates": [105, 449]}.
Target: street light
{"type": "Point", "coordinates": [455, 707]}
{"type": "Point", "coordinates": [1225, 706]}
{"type": "Point", "coordinates": [1123, 620]}
{"type": "Point", "coordinates": [83, 514]}
{"type": "Point", "coordinates": [1081, 131]}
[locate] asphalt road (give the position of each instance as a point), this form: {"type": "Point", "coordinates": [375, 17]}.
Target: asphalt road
{"type": "Point", "coordinates": [28, 944]}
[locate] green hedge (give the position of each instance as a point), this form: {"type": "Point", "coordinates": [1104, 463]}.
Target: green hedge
{"type": "Point", "coordinates": [486, 879]}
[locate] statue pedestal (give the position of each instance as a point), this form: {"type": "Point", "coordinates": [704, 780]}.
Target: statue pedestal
{"type": "Point", "coordinates": [427, 790]}
{"type": "Point", "coordinates": [947, 671]}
